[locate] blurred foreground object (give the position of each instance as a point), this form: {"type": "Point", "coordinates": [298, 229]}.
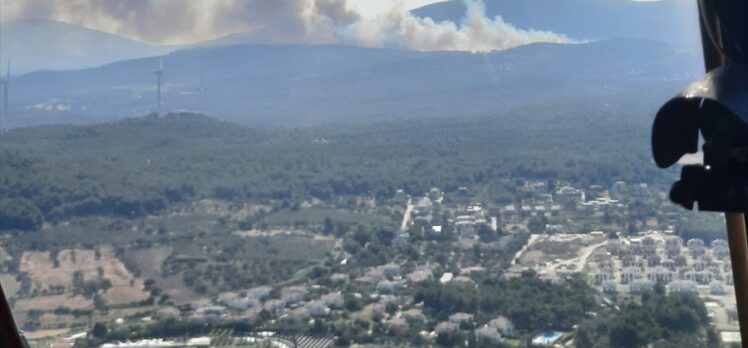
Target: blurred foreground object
{"type": "Point", "coordinates": [716, 106]}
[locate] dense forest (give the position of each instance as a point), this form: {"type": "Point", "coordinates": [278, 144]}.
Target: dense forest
{"type": "Point", "coordinates": [531, 303]}
{"type": "Point", "coordinates": [659, 320]}
{"type": "Point", "coordinates": [141, 165]}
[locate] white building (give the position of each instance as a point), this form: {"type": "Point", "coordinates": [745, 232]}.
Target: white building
{"type": "Point", "coordinates": [630, 274]}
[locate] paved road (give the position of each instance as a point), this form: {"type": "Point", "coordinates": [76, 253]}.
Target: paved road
{"type": "Point", "coordinates": [406, 215]}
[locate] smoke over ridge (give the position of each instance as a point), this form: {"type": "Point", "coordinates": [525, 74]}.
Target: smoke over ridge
{"type": "Point", "coordinates": [281, 21]}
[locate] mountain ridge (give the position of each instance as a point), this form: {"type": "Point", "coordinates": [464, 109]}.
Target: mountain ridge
{"type": "Point", "coordinates": [292, 85]}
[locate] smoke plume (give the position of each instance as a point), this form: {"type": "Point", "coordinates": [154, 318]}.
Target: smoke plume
{"type": "Point", "coordinates": [281, 21]}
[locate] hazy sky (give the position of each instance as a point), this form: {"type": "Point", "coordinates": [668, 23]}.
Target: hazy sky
{"type": "Point", "coordinates": [370, 23]}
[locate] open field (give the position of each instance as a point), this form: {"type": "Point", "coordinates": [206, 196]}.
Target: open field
{"type": "Point", "coordinates": [283, 232]}
{"type": "Point", "coordinates": [149, 262]}
{"type": "Point", "coordinates": [318, 215]}
{"type": "Point", "coordinates": [10, 285]}
{"type": "Point", "coordinates": [48, 271]}
{"type": "Point", "coordinates": [52, 302]}
{"type": "Point", "coordinates": [39, 334]}
{"type": "Point", "coordinates": [231, 262]}
{"type": "Point", "coordinates": [550, 249]}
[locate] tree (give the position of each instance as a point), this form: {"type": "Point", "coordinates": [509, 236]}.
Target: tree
{"type": "Point", "coordinates": [486, 234]}
{"type": "Point", "coordinates": [535, 225]}
{"type": "Point", "coordinates": [328, 226]}
{"type": "Point", "coordinates": [99, 330]}
{"type": "Point", "coordinates": [19, 214]}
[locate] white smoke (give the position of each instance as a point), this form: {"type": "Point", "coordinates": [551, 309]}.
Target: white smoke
{"type": "Point", "coordinates": [282, 21]}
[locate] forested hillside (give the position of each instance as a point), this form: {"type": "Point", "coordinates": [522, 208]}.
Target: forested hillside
{"type": "Point", "coordinates": [141, 165]}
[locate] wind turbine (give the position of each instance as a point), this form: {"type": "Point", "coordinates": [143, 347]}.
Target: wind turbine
{"type": "Point", "coordinates": [5, 83]}
{"type": "Point", "coordinates": [159, 76]}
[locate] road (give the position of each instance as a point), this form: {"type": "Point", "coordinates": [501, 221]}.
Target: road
{"type": "Point", "coordinates": [406, 215]}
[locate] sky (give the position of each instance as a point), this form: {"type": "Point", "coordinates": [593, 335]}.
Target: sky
{"type": "Point", "coordinates": [368, 23]}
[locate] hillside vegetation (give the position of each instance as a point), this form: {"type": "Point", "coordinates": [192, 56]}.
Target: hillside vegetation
{"type": "Point", "coordinates": [142, 165]}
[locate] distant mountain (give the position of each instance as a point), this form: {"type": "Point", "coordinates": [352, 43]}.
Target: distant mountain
{"type": "Point", "coordinates": [671, 21]}
{"type": "Point", "coordinates": [291, 85]}
{"type": "Point", "coordinates": [49, 45]}
{"type": "Point", "coordinates": [45, 44]}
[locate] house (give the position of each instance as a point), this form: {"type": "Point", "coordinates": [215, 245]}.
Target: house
{"type": "Point", "coordinates": [242, 303]}
{"type": "Point", "coordinates": [716, 288]}
{"type": "Point", "coordinates": [423, 207]}
{"type": "Point", "coordinates": [463, 191]}
{"type": "Point", "coordinates": [400, 196]}
{"type": "Point", "coordinates": [595, 191]}
{"type": "Point", "coordinates": [555, 209]}
{"type": "Point", "coordinates": [720, 249]}
{"type": "Point", "coordinates": [297, 315]}
{"type": "Point", "coordinates": [390, 286]}
{"type": "Point", "coordinates": [487, 334]}
{"type": "Point", "coordinates": [274, 306]}
{"type": "Point", "coordinates": [696, 247]}
{"type": "Point", "coordinates": [649, 246]}
{"type": "Point", "coordinates": [618, 190]}
{"type": "Point", "coordinates": [630, 274]}
{"type": "Point", "coordinates": [398, 326]}
{"type": "Point", "coordinates": [683, 286]}
{"type": "Point", "coordinates": [641, 189]}
{"type": "Point", "coordinates": [613, 246]}
{"type": "Point", "coordinates": [446, 327]}
{"type": "Point", "coordinates": [336, 278]}
{"type": "Point", "coordinates": [465, 229]}
{"type": "Point", "coordinates": [569, 197]}
{"type": "Point", "coordinates": [526, 209]}
{"type": "Point", "coordinates": [673, 245]}
{"type": "Point", "coordinates": [475, 210]}
{"type": "Point", "coordinates": [333, 299]}
{"type": "Point", "coordinates": [641, 286]}
{"type": "Point", "coordinates": [504, 325]}
{"type": "Point", "coordinates": [211, 312]}
{"type": "Point", "coordinates": [464, 280]}
{"type": "Point", "coordinates": [293, 294]}
{"type": "Point", "coordinates": [316, 308]}
{"type": "Point", "coordinates": [653, 260]}
{"type": "Point", "coordinates": [509, 212]}
{"type": "Point", "coordinates": [377, 274]}
{"type": "Point", "coordinates": [603, 275]}
{"type": "Point", "coordinates": [602, 257]}
{"type": "Point", "coordinates": [436, 195]}
{"type": "Point", "coordinates": [401, 240]}
{"type": "Point", "coordinates": [414, 315]}
{"type": "Point", "coordinates": [609, 287]}
{"type": "Point", "coordinates": [669, 264]}
{"type": "Point", "coordinates": [421, 273]}
{"type": "Point", "coordinates": [460, 317]}
{"type": "Point", "coordinates": [660, 274]}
